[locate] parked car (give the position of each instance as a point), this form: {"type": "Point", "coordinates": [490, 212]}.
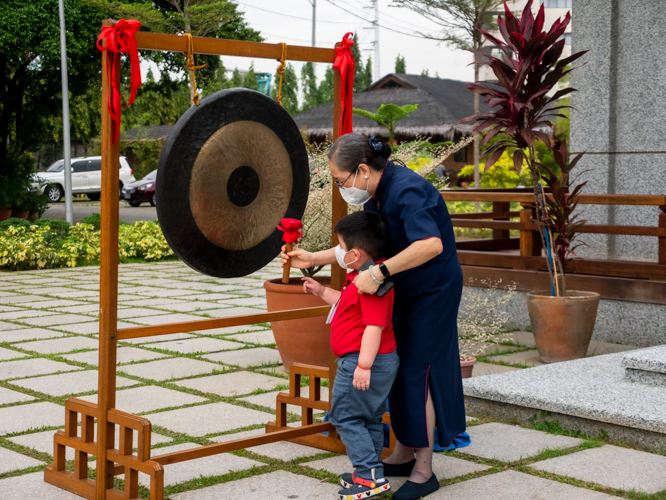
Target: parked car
{"type": "Point", "coordinates": [86, 178]}
{"type": "Point", "coordinates": [142, 191]}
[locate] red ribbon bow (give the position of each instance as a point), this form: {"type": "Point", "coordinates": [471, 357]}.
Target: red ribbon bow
{"type": "Point", "coordinates": [292, 230]}
{"type": "Point", "coordinates": [120, 38]}
{"type": "Point", "coordinates": [344, 63]}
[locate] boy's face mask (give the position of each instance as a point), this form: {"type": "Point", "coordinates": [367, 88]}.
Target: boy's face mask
{"type": "Point", "coordinates": [340, 255]}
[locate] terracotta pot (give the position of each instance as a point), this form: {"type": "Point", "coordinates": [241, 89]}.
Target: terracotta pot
{"type": "Point", "coordinates": [562, 326]}
{"type": "Point", "coordinates": [467, 366]}
{"type": "Point", "coordinates": [306, 340]}
{"type": "Point", "coordinates": [33, 216]}
{"type": "Point", "coordinates": [5, 213]}
{"type": "Point", "coordinates": [20, 214]}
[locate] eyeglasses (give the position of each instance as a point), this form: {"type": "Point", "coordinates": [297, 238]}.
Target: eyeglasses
{"type": "Point", "coordinates": [340, 184]}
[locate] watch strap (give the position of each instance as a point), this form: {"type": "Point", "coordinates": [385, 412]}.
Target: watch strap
{"type": "Point", "coordinates": [384, 270]}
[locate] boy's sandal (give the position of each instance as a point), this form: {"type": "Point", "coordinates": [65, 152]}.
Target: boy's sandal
{"type": "Point", "coordinates": [363, 488]}
{"type": "Point", "coordinates": [347, 479]}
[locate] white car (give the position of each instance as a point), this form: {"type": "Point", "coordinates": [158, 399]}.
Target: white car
{"type": "Point", "coordinates": [86, 178]}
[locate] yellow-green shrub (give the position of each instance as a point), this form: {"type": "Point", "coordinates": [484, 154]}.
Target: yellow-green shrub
{"type": "Point", "coordinates": [500, 175]}
{"type": "Point", "coordinates": [143, 240]}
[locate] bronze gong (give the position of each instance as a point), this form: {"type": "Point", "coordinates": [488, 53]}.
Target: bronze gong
{"type": "Point", "coordinates": [230, 170]}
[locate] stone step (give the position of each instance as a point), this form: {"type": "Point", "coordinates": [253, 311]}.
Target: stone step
{"type": "Point", "coordinates": [646, 366]}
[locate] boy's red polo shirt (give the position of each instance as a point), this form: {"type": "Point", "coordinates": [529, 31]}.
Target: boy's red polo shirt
{"type": "Point", "coordinates": [354, 312]}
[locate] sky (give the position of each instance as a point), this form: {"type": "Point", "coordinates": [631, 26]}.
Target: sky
{"type": "Point", "coordinates": [290, 21]}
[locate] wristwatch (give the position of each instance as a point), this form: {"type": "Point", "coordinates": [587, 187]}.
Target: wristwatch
{"type": "Point", "coordinates": [384, 270]}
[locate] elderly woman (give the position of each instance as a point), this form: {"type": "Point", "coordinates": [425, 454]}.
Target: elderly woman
{"type": "Point", "coordinates": [428, 284]}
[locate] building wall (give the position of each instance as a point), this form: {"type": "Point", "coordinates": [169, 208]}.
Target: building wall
{"type": "Point", "coordinates": [619, 116]}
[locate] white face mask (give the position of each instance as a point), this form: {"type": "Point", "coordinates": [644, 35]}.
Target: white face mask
{"type": "Point", "coordinates": [340, 255]}
{"type": "Point", "coordinates": [355, 196]}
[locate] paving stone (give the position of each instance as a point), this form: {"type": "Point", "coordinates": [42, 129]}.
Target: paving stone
{"type": "Point", "coordinates": [230, 329]}
{"type": "Point", "coordinates": [509, 443]}
{"type": "Point", "coordinates": [172, 368]}
{"type": "Point", "coordinates": [31, 416]}
{"type": "Point", "coordinates": [10, 308]}
{"type": "Point", "coordinates": [481, 369]}
{"type": "Point", "coordinates": [8, 294]}
{"type": "Point", "coordinates": [248, 301]}
{"type": "Point", "coordinates": [12, 461]}
{"type": "Point", "coordinates": [229, 312]}
{"type": "Point", "coordinates": [278, 485]}
{"type": "Point", "coordinates": [275, 371]}
{"type": "Point", "coordinates": [265, 337]}
{"type": "Point", "coordinates": [43, 442]}
{"type": "Point", "coordinates": [268, 399]}
{"type": "Point", "coordinates": [28, 334]}
{"type": "Point", "coordinates": [210, 296]}
{"type": "Point", "coordinates": [149, 398]}
{"type": "Point", "coordinates": [54, 346]}
{"type": "Point", "coordinates": [259, 292]}
{"type": "Point", "coordinates": [24, 315]}
{"type": "Point", "coordinates": [162, 292]}
{"type": "Point", "coordinates": [199, 344]}
{"type": "Point", "coordinates": [232, 384]}
{"type": "Point", "coordinates": [53, 304]}
{"type": "Point", "coordinates": [247, 357]}
{"type": "Point", "coordinates": [88, 328]}
{"type": "Point", "coordinates": [529, 358]}
{"type": "Point", "coordinates": [512, 485]}
{"type": "Point", "coordinates": [208, 419]}
{"type": "Point", "coordinates": [87, 308]}
{"type": "Point", "coordinates": [137, 312]}
{"type": "Point", "coordinates": [82, 295]}
{"type": "Point", "coordinates": [215, 465]}
{"type": "Point", "coordinates": [20, 299]}
{"type": "Point", "coordinates": [444, 467]}
{"type": "Point", "coordinates": [484, 348]}
{"type": "Point", "coordinates": [611, 466]}
{"type": "Point", "coordinates": [68, 383]}
{"type": "Point", "coordinates": [32, 367]}
{"type": "Point", "coordinates": [8, 396]}
{"type": "Point", "coordinates": [123, 355]}
{"type": "Point", "coordinates": [282, 450]}
{"type": "Point", "coordinates": [156, 302]}
{"type": "Point", "coordinates": [6, 354]}
{"type": "Point", "coordinates": [155, 339]}
{"type": "Point", "coordinates": [60, 319]}
{"type": "Point", "coordinates": [48, 281]}
{"type": "Point", "coordinates": [4, 326]}
{"type": "Point", "coordinates": [164, 319]}
{"type": "Point", "coordinates": [194, 306]}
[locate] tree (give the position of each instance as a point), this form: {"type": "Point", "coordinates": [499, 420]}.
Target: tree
{"type": "Point", "coordinates": [359, 76]}
{"type": "Point", "coordinates": [311, 94]}
{"type": "Point", "coordinates": [367, 73]}
{"type": "Point", "coordinates": [289, 89]}
{"type": "Point", "coordinates": [30, 80]}
{"type": "Point", "coordinates": [425, 72]}
{"type": "Point", "coordinates": [388, 115]}
{"type": "Point", "coordinates": [250, 79]}
{"type": "Point", "coordinates": [461, 21]}
{"type": "Point", "coordinates": [219, 81]}
{"type": "Point", "coordinates": [326, 86]}
{"type": "Point", "coordinates": [236, 79]}
{"type": "Point", "coordinates": [400, 65]}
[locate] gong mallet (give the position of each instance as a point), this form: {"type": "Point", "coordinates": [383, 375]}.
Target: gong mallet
{"type": "Point", "coordinates": [293, 230]}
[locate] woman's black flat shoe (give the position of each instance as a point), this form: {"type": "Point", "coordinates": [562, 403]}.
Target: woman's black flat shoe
{"type": "Point", "coordinates": [397, 470]}
{"type": "Point", "coordinates": [414, 491]}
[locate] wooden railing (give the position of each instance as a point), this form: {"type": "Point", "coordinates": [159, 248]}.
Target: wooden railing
{"type": "Point", "coordinates": [527, 253]}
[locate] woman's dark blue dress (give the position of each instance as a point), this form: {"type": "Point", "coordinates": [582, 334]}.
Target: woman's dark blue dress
{"type": "Point", "coordinates": [425, 311]}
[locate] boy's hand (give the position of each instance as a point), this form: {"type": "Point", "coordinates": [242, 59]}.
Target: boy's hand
{"type": "Point", "coordinates": [312, 286]}
{"type": "Point", "coordinates": [361, 379]}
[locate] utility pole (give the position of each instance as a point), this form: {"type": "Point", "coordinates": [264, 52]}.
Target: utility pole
{"type": "Point", "coordinates": [314, 21]}
{"type": "Point", "coordinates": [375, 43]}
{"type": "Point", "coordinates": [67, 148]}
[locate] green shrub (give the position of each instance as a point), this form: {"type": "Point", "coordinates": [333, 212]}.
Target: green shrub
{"type": "Point", "coordinates": [13, 221]}
{"type": "Point", "coordinates": [95, 219]}
{"type": "Point", "coordinates": [55, 224]}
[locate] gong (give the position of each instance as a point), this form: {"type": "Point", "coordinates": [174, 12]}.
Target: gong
{"type": "Point", "coordinates": [230, 170]}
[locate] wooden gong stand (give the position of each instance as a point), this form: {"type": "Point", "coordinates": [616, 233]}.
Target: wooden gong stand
{"type": "Point", "coordinates": [104, 415]}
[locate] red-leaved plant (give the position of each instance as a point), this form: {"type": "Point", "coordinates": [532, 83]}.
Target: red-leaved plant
{"type": "Point", "coordinates": [528, 69]}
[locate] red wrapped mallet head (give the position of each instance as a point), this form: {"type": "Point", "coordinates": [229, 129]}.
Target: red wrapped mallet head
{"type": "Point", "coordinates": [293, 231]}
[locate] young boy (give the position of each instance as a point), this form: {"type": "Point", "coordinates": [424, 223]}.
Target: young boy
{"type": "Point", "coordinates": [362, 338]}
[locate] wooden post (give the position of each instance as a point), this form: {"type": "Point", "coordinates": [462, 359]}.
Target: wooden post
{"type": "Point", "coordinates": [501, 234]}
{"type": "Point", "coordinates": [662, 239]}
{"type": "Point", "coordinates": [530, 242]}
{"type": "Point", "coordinates": [108, 296]}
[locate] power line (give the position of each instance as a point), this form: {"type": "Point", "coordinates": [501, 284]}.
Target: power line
{"type": "Point", "coordinates": [385, 15]}
{"type": "Point", "coordinates": [293, 17]}
{"type": "Point", "coordinates": [371, 22]}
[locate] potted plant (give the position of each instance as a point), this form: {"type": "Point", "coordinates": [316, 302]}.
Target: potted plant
{"type": "Point", "coordinates": [524, 101]}
{"type": "Point", "coordinates": [37, 203]}
{"type": "Point", "coordinates": [306, 340]}
{"type": "Point", "coordinates": [5, 202]}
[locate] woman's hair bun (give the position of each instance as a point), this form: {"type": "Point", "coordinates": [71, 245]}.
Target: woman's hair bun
{"type": "Point", "coordinates": [385, 152]}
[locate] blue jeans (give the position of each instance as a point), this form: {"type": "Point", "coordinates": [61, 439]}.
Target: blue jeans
{"type": "Point", "coordinates": [357, 415]}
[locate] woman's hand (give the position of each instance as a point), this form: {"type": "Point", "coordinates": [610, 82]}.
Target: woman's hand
{"type": "Point", "coordinates": [312, 286]}
{"type": "Point", "coordinates": [365, 284]}
{"type": "Point", "coordinates": [298, 258]}
{"type": "Point", "coordinates": [361, 379]}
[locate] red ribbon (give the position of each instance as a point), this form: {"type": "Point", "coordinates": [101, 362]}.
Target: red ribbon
{"type": "Point", "coordinates": [120, 38]}
{"type": "Point", "coordinates": [292, 230]}
{"type": "Point", "coordinates": [344, 63]}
